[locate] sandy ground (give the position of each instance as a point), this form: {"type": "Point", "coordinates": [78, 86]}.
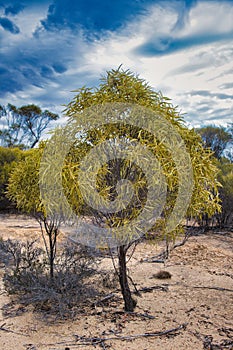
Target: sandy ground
{"type": "Point", "coordinates": [199, 295]}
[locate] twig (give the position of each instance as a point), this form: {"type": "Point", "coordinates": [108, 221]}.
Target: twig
{"type": "Point", "coordinates": [136, 314]}
{"type": "Point", "coordinates": [2, 328]}
{"type": "Point", "coordinates": [85, 341]}
{"type": "Point", "coordinates": [96, 340]}
{"type": "Point", "coordinates": [149, 289]}
{"type": "Point", "coordinates": [158, 261]}
{"type": "Point", "coordinates": [136, 242]}
{"type": "Point", "coordinates": [214, 288]}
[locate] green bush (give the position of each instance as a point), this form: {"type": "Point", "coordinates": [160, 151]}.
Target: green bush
{"type": "Point", "coordinates": [8, 159]}
{"type": "Point", "coordinates": [225, 177]}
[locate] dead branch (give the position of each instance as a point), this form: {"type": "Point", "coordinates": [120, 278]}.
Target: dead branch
{"type": "Point", "coordinates": [85, 341]}
{"type": "Point", "coordinates": [135, 314]}
{"type": "Point", "coordinates": [214, 288]}
{"type": "Point", "coordinates": [97, 340]}
{"type": "Point", "coordinates": [141, 315]}
{"type": "Point", "coordinates": [2, 328]}
{"type": "Point", "coordinates": [150, 289]}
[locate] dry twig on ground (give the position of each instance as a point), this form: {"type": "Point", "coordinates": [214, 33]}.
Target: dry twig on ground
{"type": "Point", "coordinates": [85, 341]}
{"type": "Point", "coordinates": [3, 328]}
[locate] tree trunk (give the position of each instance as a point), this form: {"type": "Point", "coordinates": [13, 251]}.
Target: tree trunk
{"type": "Point", "coordinates": [128, 300]}
{"type": "Point", "coordinates": [52, 233]}
{"type": "Point", "coordinates": [51, 257]}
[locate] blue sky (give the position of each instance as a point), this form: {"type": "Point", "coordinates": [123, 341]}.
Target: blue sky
{"type": "Point", "coordinates": [183, 48]}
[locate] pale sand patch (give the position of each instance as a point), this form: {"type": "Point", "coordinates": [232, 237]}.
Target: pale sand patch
{"type": "Point", "coordinates": [204, 261]}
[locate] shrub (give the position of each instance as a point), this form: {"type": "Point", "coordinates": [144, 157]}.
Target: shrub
{"type": "Point", "coordinates": [26, 277]}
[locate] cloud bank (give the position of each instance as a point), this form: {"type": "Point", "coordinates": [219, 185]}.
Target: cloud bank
{"type": "Point", "coordinates": [183, 48]}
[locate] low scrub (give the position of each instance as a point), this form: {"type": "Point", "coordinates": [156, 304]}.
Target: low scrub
{"type": "Point", "coordinates": [27, 277]}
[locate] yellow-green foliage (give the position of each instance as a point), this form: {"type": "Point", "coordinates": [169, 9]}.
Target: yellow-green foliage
{"type": "Point", "coordinates": [9, 157]}
{"type": "Point", "coordinates": [122, 86]}
{"type": "Point", "coordinates": [23, 187]}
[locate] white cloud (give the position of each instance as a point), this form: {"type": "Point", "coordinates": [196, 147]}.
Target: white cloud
{"type": "Point", "coordinates": [201, 67]}
{"type": "Point", "coordinates": [210, 17]}
{"type": "Point", "coordinates": [178, 74]}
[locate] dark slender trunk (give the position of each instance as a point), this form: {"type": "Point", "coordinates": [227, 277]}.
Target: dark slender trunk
{"type": "Point", "coordinates": [51, 257]}
{"type": "Point", "coordinates": [128, 300]}
{"type": "Point", "coordinates": [50, 244]}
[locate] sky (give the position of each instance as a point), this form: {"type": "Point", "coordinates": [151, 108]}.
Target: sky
{"type": "Point", "coordinates": [49, 48]}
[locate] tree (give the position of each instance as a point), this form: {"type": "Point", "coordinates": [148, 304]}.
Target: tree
{"type": "Point", "coordinates": [68, 165]}
{"type": "Point", "coordinates": [124, 86]}
{"type": "Point", "coordinates": [23, 126]}
{"type": "Point", "coordinates": [216, 138]}
{"type": "Point", "coordinates": [220, 140]}
{"type": "Point", "coordinates": [23, 189]}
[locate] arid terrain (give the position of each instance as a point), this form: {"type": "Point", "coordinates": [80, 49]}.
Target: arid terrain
{"type": "Point", "coordinates": [190, 311]}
